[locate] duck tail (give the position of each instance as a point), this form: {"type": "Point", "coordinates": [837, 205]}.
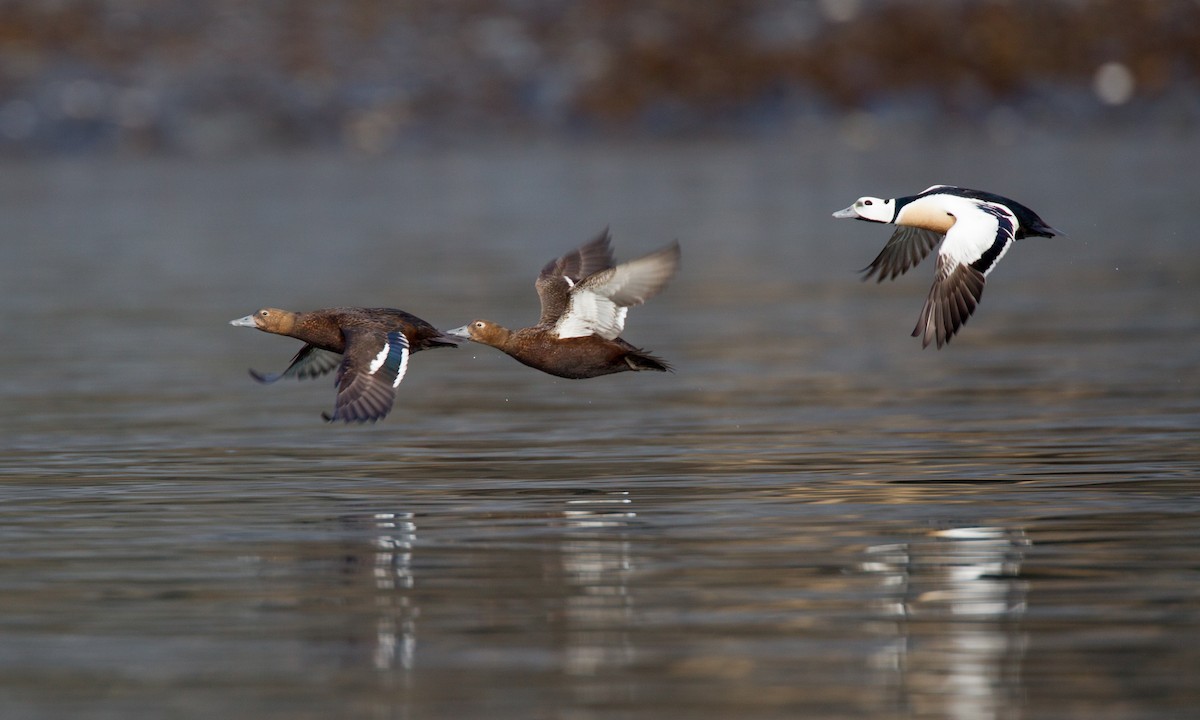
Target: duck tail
{"type": "Point", "coordinates": [442, 339]}
{"type": "Point", "coordinates": [638, 359]}
{"type": "Point", "coordinates": [1045, 230]}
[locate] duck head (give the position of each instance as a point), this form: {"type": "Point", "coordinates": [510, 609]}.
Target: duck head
{"type": "Point", "coordinates": [272, 320]}
{"type": "Point", "coordinates": [872, 209]}
{"type": "Point", "coordinates": [482, 331]}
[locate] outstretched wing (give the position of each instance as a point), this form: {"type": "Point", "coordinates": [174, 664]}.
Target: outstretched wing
{"type": "Point", "coordinates": [556, 279]}
{"type": "Point", "coordinates": [972, 247]}
{"type": "Point", "coordinates": [907, 247]}
{"type": "Point", "coordinates": [598, 305]}
{"type": "Point", "coordinates": [374, 365]}
{"type": "Point", "coordinates": [952, 299]}
{"type": "Point", "coordinates": [310, 362]}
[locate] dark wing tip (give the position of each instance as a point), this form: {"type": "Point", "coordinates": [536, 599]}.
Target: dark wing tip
{"type": "Point", "coordinates": [548, 268]}
{"type": "Point", "coordinates": [587, 259]}
{"type": "Point", "coordinates": [358, 410]}
{"type": "Point", "coordinates": [950, 303]}
{"type": "Point", "coordinates": [875, 270]}
{"type": "Point", "coordinates": [265, 378]}
{"type": "Point", "coordinates": [675, 250]}
{"type": "Point", "coordinates": [349, 417]}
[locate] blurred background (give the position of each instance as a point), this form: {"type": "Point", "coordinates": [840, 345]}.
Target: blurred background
{"type": "Point", "coordinates": [172, 76]}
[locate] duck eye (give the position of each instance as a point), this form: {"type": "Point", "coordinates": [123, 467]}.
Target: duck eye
{"type": "Point", "coordinates": [867, 202]}
{"type": "Point", "coordinates": [264, 313]}
{"type": "Point", "coordinates": [479, 324]}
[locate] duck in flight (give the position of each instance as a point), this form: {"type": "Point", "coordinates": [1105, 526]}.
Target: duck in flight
{"type": "Point", "coordinates": [369, 347]}
{"type": "Point", "coordinates": [585, 297]}
{"type": "Point", "coordinates": [975, 229]}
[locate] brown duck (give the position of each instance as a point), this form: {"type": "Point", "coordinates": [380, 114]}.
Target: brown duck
{"type": "Point", "coordinates": [585, 297]}
{"type": "Point", "coordinates": [368, 346]}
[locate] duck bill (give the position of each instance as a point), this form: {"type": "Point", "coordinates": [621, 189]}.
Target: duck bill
{"type": "Point", "coordinates": [247, 321]}
{"type": "Point", "coordinates": [847, 213]}
{"type": "Point", "coordinates": [462, 333]}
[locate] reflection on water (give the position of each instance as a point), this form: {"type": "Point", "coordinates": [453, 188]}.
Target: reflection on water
{"type": "Point", "coordinates": [589, 562]}
{"type": "Point", "coordinates": [597, 563]}
{"type": "Point", "coordinates": [962, 582]}
{"type": "Point", "coordinates": [396, 636]}
{"type": "Point", "coordinates": [811, 518]}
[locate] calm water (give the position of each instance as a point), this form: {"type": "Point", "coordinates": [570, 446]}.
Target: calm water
{"type": "Point", "coordinates": [811, 518]}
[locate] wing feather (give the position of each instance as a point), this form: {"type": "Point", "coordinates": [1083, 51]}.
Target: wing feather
{"type": "Point", "coordinates": [599, 304]}
{"type": "Point", "coordinates": [373, 366]}
{"type": "Point", "coordinates": [956, 291]}
{"type": "Point", "coordinates": [558, 276]}
{"type": "Point", "coordinates": [907, 247]}
{"type": "Point", "coordinates": [310, 362]}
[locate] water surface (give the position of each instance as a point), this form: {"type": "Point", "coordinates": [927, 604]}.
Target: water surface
{"type": "Point", "coordinates": [812, 517]}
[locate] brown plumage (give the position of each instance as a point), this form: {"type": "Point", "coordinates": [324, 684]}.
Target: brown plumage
{"type": "Point", "coordinates": [368, 346]}
{"type": "Point", "coordinates": [584, 299]}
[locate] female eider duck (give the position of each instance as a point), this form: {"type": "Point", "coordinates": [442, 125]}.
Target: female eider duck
{"type": "Point", "coordinates": [975, 229]}
{"type": "Point", "coordinates": [584, 298]}
{"type": "Point", "coordinates": [368, 346]}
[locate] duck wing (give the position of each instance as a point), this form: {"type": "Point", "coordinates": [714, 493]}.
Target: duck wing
{"type": "Point", "coordinates": [907, 247]}
{"type": "Point", "coordinates": [982, 238]}
{"type": "Point", "coordinates": [556, 279]}
{"type": "Point", "coordinates": [373, 366]}
{"type": "Point", "coordinates": [972, 247]}
{"type": "Point", "coordinates": [310, 362]}
{"type": "Point", "coordinates": [598, 305]}
{"type": "Point", "coordinates": [952, 299]}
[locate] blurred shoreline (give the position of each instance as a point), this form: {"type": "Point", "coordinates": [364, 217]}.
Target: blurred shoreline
{"type": "Point", "coordinates": [174, 77]}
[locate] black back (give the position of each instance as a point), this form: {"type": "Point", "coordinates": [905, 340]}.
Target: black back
{"type": "Point", "coordinates": [1029, 221]}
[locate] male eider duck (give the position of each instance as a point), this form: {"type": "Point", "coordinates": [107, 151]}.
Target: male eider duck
{"type": "Point", "coordinates": [584, 297]}
{"type": "Point", "coordinates": [975, 229]}
{"type": "Point", "coordinates": [368, 346]}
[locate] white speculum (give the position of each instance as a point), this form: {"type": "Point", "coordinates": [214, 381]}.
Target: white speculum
{"type": "Point", "coordinates": [379, 360]}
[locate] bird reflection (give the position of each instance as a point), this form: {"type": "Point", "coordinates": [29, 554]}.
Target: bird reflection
{"type": "Point", "coordinates": [592, 560]}
{"type": "Point", "coordinates": [395, 627]}
{"type": "Point", "coordinates": [598, 568]}
{"type": "Point", "coordinates": [955, 597]}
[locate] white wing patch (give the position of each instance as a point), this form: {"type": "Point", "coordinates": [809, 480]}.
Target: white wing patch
{"type": "Point", "coordinates": [599, 303]}
{"type": "Point", "coordinates": [977, 229]}
{"type": "Point", "coordinates": [396, 349]}
{"type": "Point", "coordinates": [590, 313]}
{"type": "Point", "coordinates": [379, 360]}
{"type": "Point", "coordinates": [570, 282]}
{"type": "Point", "coordinates": [403, 368]}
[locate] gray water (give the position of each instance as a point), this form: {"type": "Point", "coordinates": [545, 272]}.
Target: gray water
{"type": "Point", "coordinates": [812, 517]}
